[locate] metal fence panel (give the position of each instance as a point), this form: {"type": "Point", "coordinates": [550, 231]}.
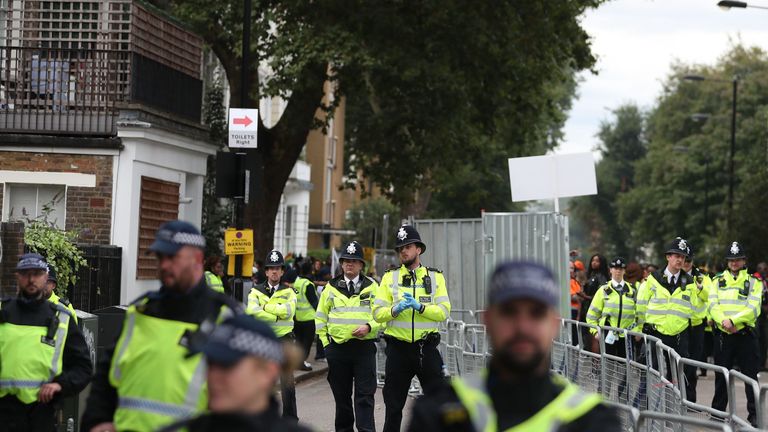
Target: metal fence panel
{"type": "Point", "coordinates": [455, 246]}
{"type": "Point", "coordinates": [540, 237]}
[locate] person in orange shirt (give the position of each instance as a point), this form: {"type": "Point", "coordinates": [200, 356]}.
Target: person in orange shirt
{"type": "Point", "coordinates": [574, 267]}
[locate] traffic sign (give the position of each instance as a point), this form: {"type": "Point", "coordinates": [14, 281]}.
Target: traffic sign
{"type": "Point", "coordinates": [238, 242]}
{"type": "Point", "coordinates": [243, 127]}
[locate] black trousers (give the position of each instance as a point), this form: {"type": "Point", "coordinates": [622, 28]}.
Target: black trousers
{"type": "Point", "coordinates": [736, 349]}
{"type": "Point", "coordinates": [696, 352]}
{"type": "Point", "coordinates": [16, 416]}
{"type": "Point", "coordinates": [679, 343]}
{"type": "Point", "coordinates": [288, 387]}
{"type": "Point", "coordinates": [404, 360]}
{"type": "Point", "coordinates": [305, 335]}
{"type": "Point", "coordinates": [351, 364]}
{"type": "Point", "coordinates": [319, 350]}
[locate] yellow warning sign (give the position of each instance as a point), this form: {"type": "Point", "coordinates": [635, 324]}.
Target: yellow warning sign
{"type": "Point", "coordinates": [238, 242]}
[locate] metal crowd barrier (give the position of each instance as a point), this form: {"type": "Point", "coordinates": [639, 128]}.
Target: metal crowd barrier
{"type": "Point", "coordinates": [647, 386]}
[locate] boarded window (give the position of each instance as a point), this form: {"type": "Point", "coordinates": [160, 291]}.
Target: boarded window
{"type": "Point", "coordinates": [159, 203]}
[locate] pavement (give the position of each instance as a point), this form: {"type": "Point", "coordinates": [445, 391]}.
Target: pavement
{"type": "Point", "coordinates": [315, 402]}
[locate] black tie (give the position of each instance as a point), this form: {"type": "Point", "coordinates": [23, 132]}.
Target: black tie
{"type": "Point", "coordinates": [351, 288]}
{"type": "Point", "coordinates": [672, 281]}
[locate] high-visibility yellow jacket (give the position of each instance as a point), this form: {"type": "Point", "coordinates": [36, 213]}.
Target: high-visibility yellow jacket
{"type": "Point", "coordinates": [156, 378]}
{"type": "Point", "coordinates": [55, 299]}
{"type": "Point", "coordinates": [340, 312]}
{"type": "Point", "coordinates": [274, 307]}
{"type": "Point", "coordinates": [736, 298]}
{"type": "Point", "coordinates": [410, 325]}
{"type": "Point", "coordinates": [214, 282]}
{"type": "Point", "coordinates": [304, 309]}
{"type": "Point", "coordinates": [31, 355]}
{"type": "Point", "coordinates": [669, 314]}
{"type": "Point", "coordinates": [570, 405]}
{"type": "Point", "coordinates": [700, 283]}
{"type": "Point", "coordinates": [609, 308]}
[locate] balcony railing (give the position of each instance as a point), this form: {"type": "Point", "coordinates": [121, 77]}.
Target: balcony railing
{"type": "Point", "coordinates": [62, 91]}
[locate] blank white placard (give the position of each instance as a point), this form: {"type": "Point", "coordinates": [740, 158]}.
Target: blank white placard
{"type": "Point", "coordinates": [552, 176]}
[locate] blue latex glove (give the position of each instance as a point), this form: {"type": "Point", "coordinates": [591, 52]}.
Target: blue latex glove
{"type": "Point", "coordinates": [398, 308]}
{"type": "Point", "coordinates": [412, 302]}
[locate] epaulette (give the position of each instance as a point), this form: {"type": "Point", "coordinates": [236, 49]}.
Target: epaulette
{"type": "Point", "coordinates": [58, 307]}
{"type": "Point", "coordinates": [65, 301]}
{"type": "Point", "coordinates": [147, 296]}
{"type": "Point", "coordinates": [433, 269]}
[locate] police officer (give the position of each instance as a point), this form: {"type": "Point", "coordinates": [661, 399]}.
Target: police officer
{"type": "Point", "coordinates": [517, 392]}
{"type": "Point", "coordinates": [275, 303]}
{"type": "Point", "coordinates": [43, 355]}
{"type": "Point", "coordinates": [152, 376]}
{"type": "Point", "coordinates": [53, 297]}
{"type": "Point", "coordinates": [734, 304]}
{"type": "Point", "coordinates": [304, 321]}
{"type": "Point", "coordinates": [244, 362]}
{"type": "Point", "coordinates": [214, 268]}
{"type": "Point", "coordinates": [614, 305]}
{"type": "Point", "coordinates": [698, 282]}
{"type": "Point", "coordinates": [347, 329]}
{"type": "Point", "coordinates": [665, 301]}
{"type": "Point", "coordinates": [411, 300]}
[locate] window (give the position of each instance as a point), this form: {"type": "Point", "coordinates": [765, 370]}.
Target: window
{"type": "Point", "coordinates": [290, 226]}
{"type": "Point", "coordinates": [159, 203]}
{"type": "Point", "coordinates": [30, 201]}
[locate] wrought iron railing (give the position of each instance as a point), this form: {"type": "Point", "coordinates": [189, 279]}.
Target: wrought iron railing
{"type": "Point", "coordinates": [62, 91]}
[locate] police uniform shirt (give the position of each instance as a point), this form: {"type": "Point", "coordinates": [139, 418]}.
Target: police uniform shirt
{"type": "Point", "coordinates": [355, 284]}
{"type": "Point", "coordinates": [672, 279]}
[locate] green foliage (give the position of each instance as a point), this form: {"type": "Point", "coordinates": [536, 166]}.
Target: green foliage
{"type": "Point", "coordinates": [320, 254]}
{"type": "Point", "coordinates": [57, 246]}
{"type": "Point", "coordinates": [367, 216]}
{"type": "Point", "coordinates": [430, 87]}
{"type": "Point", "coordinates": [621, 144]}
{"type": "Point", "coordinates": [215, 215]}
{"type": "Point", "coordinates": [680, 185]}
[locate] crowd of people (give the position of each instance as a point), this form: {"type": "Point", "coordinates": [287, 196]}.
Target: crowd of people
{"type": "Point", "coordinates": [710, 316]}
{"type": "Point", "coordinates": [188, 357]}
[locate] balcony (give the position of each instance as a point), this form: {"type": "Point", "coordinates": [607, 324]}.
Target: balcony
{"type": "Point", "coordinates": [61, 91]}
{"type": "Point", "coordinates": [69, 67]}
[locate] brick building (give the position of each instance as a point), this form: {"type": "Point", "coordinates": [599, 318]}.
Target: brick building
{"type": "Point", "coordinates": [100, 123]}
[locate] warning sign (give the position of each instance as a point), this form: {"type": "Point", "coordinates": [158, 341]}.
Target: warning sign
{"type": "Point", "coordinates": [238, 242]}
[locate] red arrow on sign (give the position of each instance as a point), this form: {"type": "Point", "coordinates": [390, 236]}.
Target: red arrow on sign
{"type": "Point", "coordinates": [245, 121]}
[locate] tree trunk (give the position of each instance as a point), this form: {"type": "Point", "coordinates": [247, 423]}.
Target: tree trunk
{"type": "Point", "coordinates": [280, 148]}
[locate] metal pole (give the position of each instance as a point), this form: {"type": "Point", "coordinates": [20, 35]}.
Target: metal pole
{"type": "Point", "coordinates": [732, 179]}
{"type": "Point", "coordinates": [237, 287]}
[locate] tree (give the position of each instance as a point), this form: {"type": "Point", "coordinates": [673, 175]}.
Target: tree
{"type": "Point", "coordinates": [366, 217]}
{"type": "Point", "coordinates": [424, 82]}
{"type": "Point", "coordinates": [621, 144]}
{"type": "Point", "coordinates": [681, 184]}
{"type": "Point", "coordinates": [215, 215]}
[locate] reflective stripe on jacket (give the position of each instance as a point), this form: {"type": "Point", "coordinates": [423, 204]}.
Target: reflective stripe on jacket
{"type": "Point", "coordinates": [735, 298]}
{"type": "Point", "coordinates": [29, 358]}
{"type": "Point", "coordinates": [570, 405]}
{"type": "Point", "coordinates": [277, 310]}
{"type": "Point", "coordinates": [214, 282]}
{"type": "Point", "coordinates": [611, 309]}
{"type": "Point", "coordinates": [411, 325]}
{"type": "Point", "coordinates": [669, 314]}
{"type": "Point", "coordinates": [304, 309]}
{"type": "Point", "coordinates": [338, 315]}
{"type": "Point", "coordinates": [156, 381]}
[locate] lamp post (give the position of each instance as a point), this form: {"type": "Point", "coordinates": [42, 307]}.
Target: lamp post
{"type": "Point", "coordinates": [731, 176]}
{"type": "Point", "coordinates": [727, 5]}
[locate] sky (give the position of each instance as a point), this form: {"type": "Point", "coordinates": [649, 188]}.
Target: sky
{"type": "Point", "coordinates": [636, 41]}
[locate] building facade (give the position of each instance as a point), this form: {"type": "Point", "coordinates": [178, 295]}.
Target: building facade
{"type": "Point", "coordinates": [100, 124]}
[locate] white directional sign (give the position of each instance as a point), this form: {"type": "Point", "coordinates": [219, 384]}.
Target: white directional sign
{"type": "Point", "coordinates": [243, 127]}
